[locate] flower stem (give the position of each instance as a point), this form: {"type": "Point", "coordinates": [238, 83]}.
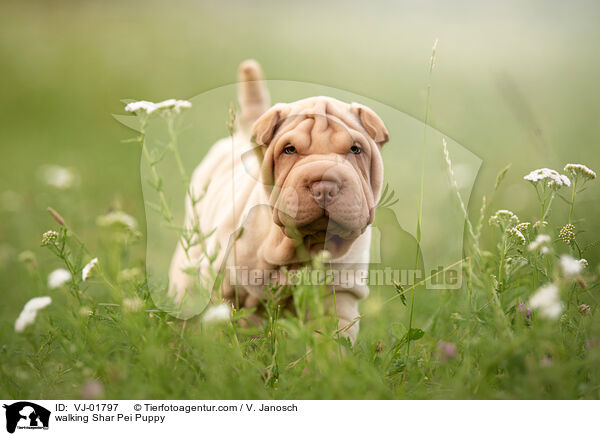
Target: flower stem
{"type": "Point", "coordinates": [573, 194]}
{"type": "Point", "coordinates": [421, 194]}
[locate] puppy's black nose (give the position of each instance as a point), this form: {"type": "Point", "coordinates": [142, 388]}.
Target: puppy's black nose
{"type": "Point", "coordinates": [324, 192]}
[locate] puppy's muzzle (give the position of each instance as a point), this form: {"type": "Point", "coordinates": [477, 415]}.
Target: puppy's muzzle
{"type": "Point", "coordinates": [324, 192]}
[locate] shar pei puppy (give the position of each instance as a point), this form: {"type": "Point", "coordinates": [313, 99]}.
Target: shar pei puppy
{"type": "Point", "coordinates": [295, 180]}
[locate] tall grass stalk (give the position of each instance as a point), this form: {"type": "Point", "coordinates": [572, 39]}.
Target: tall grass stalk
{"type": "Point", "coordinates": [421, 195]}
{"type": "Point", "coordinates": [231, 130]}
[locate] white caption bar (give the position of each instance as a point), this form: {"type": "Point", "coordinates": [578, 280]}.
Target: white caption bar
{"type": "Point", "coordinates": [242, 417]}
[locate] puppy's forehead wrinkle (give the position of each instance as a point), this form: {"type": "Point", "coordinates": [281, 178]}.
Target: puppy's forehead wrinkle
{"type": "Point", "coordinates": [320, 133]}
{"type": "Point", "coordinates": [324, 111]}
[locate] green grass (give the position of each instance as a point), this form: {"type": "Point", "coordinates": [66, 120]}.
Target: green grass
{"type": "Point", "coordinates": [58, 111]}
{"type": "Point", "coordinates": [482, 341]}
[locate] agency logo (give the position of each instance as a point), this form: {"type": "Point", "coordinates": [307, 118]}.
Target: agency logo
{"type": "Point", "coordinates": [26, 415]}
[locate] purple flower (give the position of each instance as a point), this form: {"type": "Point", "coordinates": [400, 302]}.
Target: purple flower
{"type": "Point", "coordinates": [92, 390]}
{"type": "Point", "coordinates": [447, 350]}
{"type": "Point", "coordinates": [524, 309]}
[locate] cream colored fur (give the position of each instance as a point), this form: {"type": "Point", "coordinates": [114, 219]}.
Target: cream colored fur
{"type": "Point", "coordinates": [271, 194]}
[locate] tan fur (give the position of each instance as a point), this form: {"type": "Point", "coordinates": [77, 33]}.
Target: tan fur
{"type": "Point", "coordinates": [290, 205]}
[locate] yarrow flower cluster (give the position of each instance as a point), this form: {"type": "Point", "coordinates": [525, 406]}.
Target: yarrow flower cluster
{"type": "Point", "coordinates": [129, 274]}
{"type": "Point", "coordinates": [85, 311]}
{"type": "Point", "coordinates": [49, 238]}
{"type": "Point", "coordinates": [579, 170]}
{"type": "Point", "coordinates": [504, 219]}
{"type": "Point", "coordinates": [570, 266]}
{"type": "Point", "coordinates": [547, 301]}
{"type": "Point", "coordinates": [550, 178]}
{"type": "Point", "coordinates": [58, 277]}
{"type": "Point", "coordinates": [58, 177]}
{"type": "Point", "coordinates": [149, 108]}
{"type": "Point", "coordinates": [541, 242]}
{"type": "Point", "coordinates": [29, 312]}
{"type": "Point", "coordinates": [117, 218]}
{"type": "Point", "coordinates": [321, 258]}
{"type": "Point", "coordinates": [87, 270]}
{"type": "Point", "coordinates": [134, 304]}
{"type": "Point", "coordinates": [567, 233]}
{"type": "Point", "coordinates": [217, 314]}
{"type": "Point", "coordinates": [523, 227]}
{"type": "Point", "coordinates": [517, 235]}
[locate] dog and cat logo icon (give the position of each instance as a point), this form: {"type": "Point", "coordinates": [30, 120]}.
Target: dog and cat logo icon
{"type": "Point", "coordinates": [26, 415]}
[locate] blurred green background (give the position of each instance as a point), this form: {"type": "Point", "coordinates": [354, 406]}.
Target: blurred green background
{"type": "Point", "coordinates": [513, 82]}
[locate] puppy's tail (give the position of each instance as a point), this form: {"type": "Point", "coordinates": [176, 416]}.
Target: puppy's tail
{"type": "Point", "coordinates": [253, 95]}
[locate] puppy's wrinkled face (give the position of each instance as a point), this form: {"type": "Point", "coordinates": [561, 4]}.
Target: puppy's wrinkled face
{"type": "Point", "coordinates": [323, 167]}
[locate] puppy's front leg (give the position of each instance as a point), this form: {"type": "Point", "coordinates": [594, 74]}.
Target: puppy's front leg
{"type": "Point", "coordinates": [345, 305]}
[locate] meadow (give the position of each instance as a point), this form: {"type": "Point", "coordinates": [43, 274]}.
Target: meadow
{"type": "Point", "coordinates": [523, 325]}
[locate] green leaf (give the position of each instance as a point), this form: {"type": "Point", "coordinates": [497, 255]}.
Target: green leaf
{"type": "Point", "coordinates": [414, 334]}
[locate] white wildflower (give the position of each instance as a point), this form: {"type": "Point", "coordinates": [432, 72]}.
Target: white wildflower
{"type": "Point", "coordinates": [321, 258]}
{"type": "Point", "coordinates": [58, 177]}
{"type": "Point", "coordinates": [143, 105]}
{"type": "Point", "coordinates": [567, 233]}
{"type": "Point", "coordinates": [504, 219]}
{"type": "Point", "coordinates": [129, 274]}
{"type": "Point", "coordinates": [149, 108]}
{"type": "Point", "coordinates": [217, 314]}
{"type": "Point", "coordinates": [551, 178]}
{"type": "Point", "coordinates": [517, 235]}
{"type": "Point", "coordinates": [579, 170]}
{"type": "Point", "coordinates": [547, 301]}
{"type": "Point", "coordinates": [175, 105]}
{"type": "Point", "coordinates": [583, 262]}
{"type": "Point", "coordinates": [29, 312]}
{"type": "Point", "coordinates": [570, 266]}
{"type": "Point", "coordinates": [117, 218]}
{"type": "Point", "coordinates": [541, 241]}
{"type": "Point", "coordinates": [85, 311]}
{"type": "Point", "coordinates": [85, 273]}
{"type": "Point", "coordinates": [134, 304]}
{"type": "Point", "coordinates": [50, 237]}
{"type": "Point", "coordinates": [58, 277]}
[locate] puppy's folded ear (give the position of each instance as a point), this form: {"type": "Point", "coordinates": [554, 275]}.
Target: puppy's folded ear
{"type": "Point", "coordinates": [371, 122]}
{"type": "Point", "coordinates": [263, 132]}
{"type": "Point", "coordinates": [264, 128]}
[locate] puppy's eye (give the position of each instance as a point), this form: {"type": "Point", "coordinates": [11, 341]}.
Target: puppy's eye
{"type": "Point", "coordinates": [355, 149]}
{"type": "Point", "coordinates": [290, 149]}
